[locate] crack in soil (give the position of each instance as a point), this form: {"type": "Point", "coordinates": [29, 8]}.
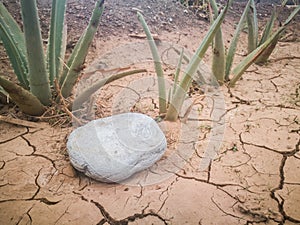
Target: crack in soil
{"type": "Point", "coordinates": [258, 217]}
{"type": "Point", "coordinates": [223, 211]}
{"type": "Point", "coordinates": [36, 184]}
{"type": "Point", "coordinates": [292, 152]}
{"type": "Point", "coordinates": [280, 201]}
{"type": "Point", "coordinates": [109, 219]}
{"type": "Point", "coordinates": [29, 216]}
{"type": "Point", "coordinates": [167, 193]}
{"type": "Point", "coordinates": [205, 181]}
{"type": "Point", "coordinates": [239, 99]}
{"type": "Point", "coordinates": [233, 197]}
{"type": "Point", "coordinates": [38, 155]}
{"type": "Point", "coordinates": [209, 171]}
{"type": "Point", "coordinates": [140, 193]}
{"type": "Point", "coordinates": [274, 120]}
{"type": "Point", "coordinates": [281, 106]}
{"type": "Point", "coordinates": [298, 123]}
{"type": "Point", "coordinates": [13, 138]}
{"type": "Point", "coordinates": [65, 212]}
{"type": "Point", "coordinates": [43, 200]}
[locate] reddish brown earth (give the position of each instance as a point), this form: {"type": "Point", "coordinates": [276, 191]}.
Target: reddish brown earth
{"type": "Point", "coordinates": [254, 179]}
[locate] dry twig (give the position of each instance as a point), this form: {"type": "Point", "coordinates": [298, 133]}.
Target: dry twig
{"type": "Point", "coordinates": [64, 105]}
{"type": "Point", "coordinates": [19, 122]}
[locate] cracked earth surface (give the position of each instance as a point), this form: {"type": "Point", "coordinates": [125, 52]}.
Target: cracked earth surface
{"type": "Point", "coordinates": [254, 178]}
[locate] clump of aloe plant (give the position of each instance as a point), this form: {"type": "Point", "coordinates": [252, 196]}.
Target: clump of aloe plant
{"type": "Point", "coordinates": [36, 70]}
{"type": "Point", "coordinates": [267, 32]}
{"type": "Point", "coordinates": [258, 51]}
{"type": "Point", "coordinates": [265, 46]}
{"type": "Point", "coordinates": [171, 111]}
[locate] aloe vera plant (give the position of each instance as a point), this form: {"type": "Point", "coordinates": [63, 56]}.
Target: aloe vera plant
{"type": "Point", "coordinates": [265, 49]}
{"type": "Point", "coordinates": [253, 42]}
{"type": "Point", "coordinates": [35, 69]}
{"type": "Point", "coordinates": [258, 51]}
{"type": "Point", "coordinates": [178, 97]}
{"type": "Point", "coordinates": [221, 62]}
{"type": "Point", "coordinates": [263, 58]}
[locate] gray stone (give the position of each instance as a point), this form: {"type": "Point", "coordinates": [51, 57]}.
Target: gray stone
{"type": "Point", "coordinates": [112, 149]}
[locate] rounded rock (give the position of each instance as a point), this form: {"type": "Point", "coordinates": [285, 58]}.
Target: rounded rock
{"type": "Point", "coordinates": [114, 148]}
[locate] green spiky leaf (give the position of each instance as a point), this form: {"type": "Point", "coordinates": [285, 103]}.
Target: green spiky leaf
{"type": "Point", "coordinates": [85, 94]}
{"type": "Point", "coordinates": [56, 43]}
{"type": "Point", "coordinates": [252, 57]}
{"type": "Point", "coordinates": [26, 101]}
{"type": "Point", "coordinates": [38, 76]}
{"type": "Point", "coordinates": [14, 44]}
{"type": "Point", "coordinates": [233, 45]}
{"type": "Point", "coordinates": [269, 28]}
{"type": "Point", "coordinates": [77, 58]}
{"type": "Point", "coordinates": [157, 64]}
{"type": "Point", "coordinates": [252, 27]}
{"type": "Point", "coordinates": [218, 62]}
{"type": "Point", "coordinates": [177, 73]}
{"type": "Point", "coordinates": [263, 58]}
{"type": "Point", "coordinates": [291, 16]}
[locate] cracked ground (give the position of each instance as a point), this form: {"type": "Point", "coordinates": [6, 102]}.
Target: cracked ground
{"type": "Point", "coordinates": [253, 179]}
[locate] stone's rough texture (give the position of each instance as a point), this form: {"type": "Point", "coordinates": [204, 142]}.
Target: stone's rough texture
{"type": "Point", "coordinates": [112, 149]}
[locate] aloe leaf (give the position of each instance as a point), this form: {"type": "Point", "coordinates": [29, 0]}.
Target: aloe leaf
{"type": "Point", "coordinates": [218, 61]}
{"type": "Point", "coordinates": [71, 58]}
{"type": "Point", "coordinates": [178, 98]}
{"type": "Point", "coordinates": [291, 16]}
{"type": "Point", "coordinates": [252, 57]}
{"type": "Point", "coordinates": [269, 28]}
{"type": "Point", "coordinates": [263, 58]}
{"type": "Point", "coordinates": [210, 13]}
{"type": "Point", "coordinates": [38, 76]}
{"type": "Point", "coordinates": [157, 64]}
{"type": "Point", "coordinates": [85, 94]}
{"type": "Point", "coordinates": [177, 72]}
{"type": "Point", "coordinates": [187, 60]}
{"type": "Point", "coordinates": [62, 54]}
{"type": "Point", "coordinates": [252, 27]}
{"type": "Point", "coordinates": [233, 45]}
{"type": "Point", "coordinates": [14, 44]}
{"type": "Point", "coordinates": [56, 50]}
{"type": "Point", "coordinates": [80, 51]}
{"type": "Point", "coordinates": [26, 101]}
{"type": "Point", "coordinates": [215, 8]}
